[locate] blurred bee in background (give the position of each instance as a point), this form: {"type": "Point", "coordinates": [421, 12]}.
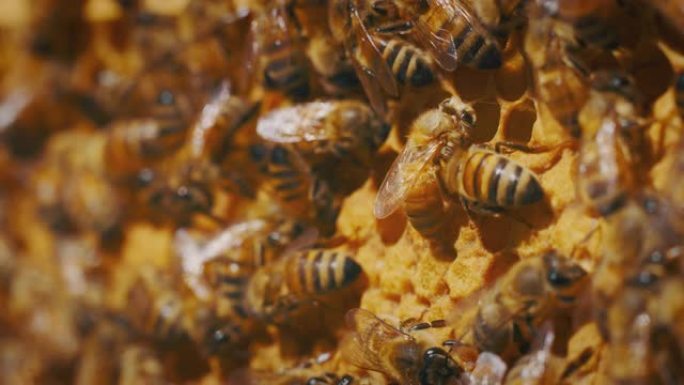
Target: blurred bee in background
{"type": "Point", "coordinates": [613, 146]}
{"type": "Point", "coordinates": [489, 369]}
{"type": "Point", "coordinates": [157, 309]}
{"type": "Point", "coordinates": [224, 263]}
{"type": "Point", "coordinates": [559, 84]}
{"type": "Point", "coordinates": [538, 367]}
{"type": "Point", "coordinates": [528, 294]}
{"type": "Point", "coordinates": [376, 345]}
{"type": "Point", "coordinates": [298, 279]}
{"type": "Point", "coordinates": [277, 51]}
{"type": "Point", "coordinates": [342, 129]}
{"type": "Point", "coordinates": [594, 23]}
{"type": "Point", "coordinates": [140, 365]}
{"type": "Point", "coordinates": [59, 30]}
{"type": "Point", "coordinates": [439, 161]}
{"type": "Point", "coordinates": [329, 59]}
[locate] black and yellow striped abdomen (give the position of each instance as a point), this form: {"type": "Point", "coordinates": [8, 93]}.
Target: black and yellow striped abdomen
{"type": "Point", "coordinates": [475, 47]}
{"type": "Point", "coordinates": [288, 177]}
{"type": "Point", "coordinates": [319, 271]}
{"type": "Point", "coordinates": [228, 280]}
{"type": "Point", "coordinates": [408, 63]}
{"type": "Point", "coordinates": [496, 181]}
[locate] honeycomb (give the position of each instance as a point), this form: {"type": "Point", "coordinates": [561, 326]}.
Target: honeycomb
{"type": "Point", "coordinates": [77, 305]}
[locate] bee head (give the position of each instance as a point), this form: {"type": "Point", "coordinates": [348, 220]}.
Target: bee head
{"type": "Point", "coordinates": [438, 367]}
{"type": "Point", "coordinates": [616, 82]}
{"type": "Point", "coordinates": [461, 112]}
{"type": "Point", "coordinates": [564, 276]}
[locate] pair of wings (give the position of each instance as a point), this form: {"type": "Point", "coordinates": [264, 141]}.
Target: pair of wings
{"type": "Point", "coordinates": [405, 170]}
{"type": "Point", "coordinates": [302, 122]}
{"type": "Point", "coordinates": [357, 349]}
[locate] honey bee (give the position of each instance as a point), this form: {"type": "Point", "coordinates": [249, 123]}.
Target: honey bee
{"type": "Point", "coordinates": [136, 143]}
{"type": "Point", "coordinates": [276, 289]}
{"type": "Point", "coordinates": [559, 84]}
{"type": "Point", "coordinates": [278, 52]}
{"type": "Point", "coordinates": [225, 262]}
{"type": "Point", "coordinates": [438, 160]}
{"type": "Point", "coordinates": [525, 297]}
{"type": "Point", "coordinates": [593, 22]}
{"type": "Point", "coordinates": [376, 345]}
{"type": "Point", "coordinates": [157, 309]}
{"type": "Point", "coordinates": [455, 34]}
{"type": "Point", "coordinates": [211, 136]}
{"type": "Point", "coordinates": [608, 156]}
{"type": "Point", "coordinates": [345, 129]}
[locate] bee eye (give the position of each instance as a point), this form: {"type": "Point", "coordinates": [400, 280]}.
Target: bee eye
{"type": "Point", "coordinates": [558, 279]}
{"type": "Point", "coordinates": [467, 118]}
{"type": "Point", "coordinates": [166, 98]}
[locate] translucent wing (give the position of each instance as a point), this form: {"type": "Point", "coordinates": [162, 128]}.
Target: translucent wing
{"type": "Point", "coordinates": [371, 68]}
{"type": "Point", "coordinates": [408, 164]}
{"type": "Point", "coordinates": [303, 122]}
{"type": "Point", "coordinates": [489, 370]}
{"type": "Point", "coordinates": [207, 119]}
{"type": "Point", "coordinates": [12, 106]}
{"type": "Point", "coordinates": [361, 348]}
{"type": "Point", "coordinates": [440, 41]}
{"type": "Point", "coordinates": [193, 253]}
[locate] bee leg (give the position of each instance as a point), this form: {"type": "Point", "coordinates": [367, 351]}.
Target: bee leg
{"type": "Point", "coordinates": [506, 147]}
{"type": "Point", "coordinates": [396, 28]}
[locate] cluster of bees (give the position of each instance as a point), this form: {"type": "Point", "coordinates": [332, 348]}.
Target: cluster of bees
{"type": "Point", "coordinates": [237, 132]}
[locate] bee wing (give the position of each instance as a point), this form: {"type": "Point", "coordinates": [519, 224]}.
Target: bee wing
{"type": "Point", "coordinates": [408, 164]}
{"type": "Point", "coordinates": [371, 68]}
{"type": "Point", "coordinates": [303, 122]}
{"type": "Point", "coordinates": [489, 369]}
{"type": "Point", "coordinates": [207, 119]}
{"type": "Point", "coordinates": [358, 348]}
{"type": "Point", "coordinates": [441, 42]}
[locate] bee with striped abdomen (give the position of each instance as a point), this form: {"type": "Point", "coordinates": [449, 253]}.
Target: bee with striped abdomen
{"type": "Point", "coordinates": [439, 161]}
{"type": "Point", "coordinates": [278, 53]}
{"type": "Point", "coordinates": [300, 277]}
{"type": "Point", "coordinates": [455, 33]}
{"type": "Point", "coordinates": [527, 295]}
{"type": "Point", "coordinates": [489, 182]}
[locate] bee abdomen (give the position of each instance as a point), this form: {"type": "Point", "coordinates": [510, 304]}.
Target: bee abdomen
{"type": "Point", "coordinates": [425, 209]}
{"type": "Point", "coordinates": [320, 271]}
{"type": "Point", "coordinates": [474, 48]}
{"type": "Point", "coordinates": [288, 181]}
{"type": "Point", "coordinates": [408, 64]}
{"type": "Point", "coordinates": [499, 182]}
